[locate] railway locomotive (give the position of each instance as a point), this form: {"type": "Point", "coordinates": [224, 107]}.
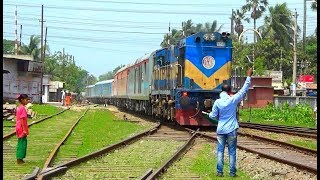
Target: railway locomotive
{"type": "Point", "coordinates": [174, 83]}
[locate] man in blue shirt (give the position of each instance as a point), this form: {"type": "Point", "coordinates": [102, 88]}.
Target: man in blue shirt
{"type": "Point", "coordinates": [224, 110]}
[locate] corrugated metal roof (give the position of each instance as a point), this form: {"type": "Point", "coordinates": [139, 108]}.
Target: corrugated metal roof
{"type": "Point", "coordinates": [146, 56]}
{"type": "Point", "coordinates": [20, 57]}
{"type": "Point", "coordinates": [104, 82]}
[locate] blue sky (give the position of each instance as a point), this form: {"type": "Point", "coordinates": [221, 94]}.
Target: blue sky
{"type": "Point", "coordinates": [103, 34]}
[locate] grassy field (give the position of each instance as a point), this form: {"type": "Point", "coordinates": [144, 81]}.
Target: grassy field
{"type": "Point", "coordinates": [205, 165]}
{"type": "Point", "coordinates": [300, 115]}
{"type": "Point", "coordinates": [42, 111]}
{"type": "Point", "coordinates": [41, 140]}
{"type": "Point", "coordinates": [130, 162]}
{"type": "Point", "coordinates": [98, 129]}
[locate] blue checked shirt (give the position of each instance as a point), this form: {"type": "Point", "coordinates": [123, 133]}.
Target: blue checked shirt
{"type": "Point", "coordinates": [224, 109]}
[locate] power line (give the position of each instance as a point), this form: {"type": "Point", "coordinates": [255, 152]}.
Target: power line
{"type": "Point", "coordinates": [91, 47]}
{"type": "Point", "coordinates": [100, 40]}
{"type": "Point", "coordinates": [119, 10]}
{"type": "Point", "coordinates": [99, 24]}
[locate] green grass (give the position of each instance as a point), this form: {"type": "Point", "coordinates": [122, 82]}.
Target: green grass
{"type": "Point", "coordinates": [311, 144]}
{"type": "Point", "coordinates": [126, 163]}
{"type": "Point", "coordinates": [98, 129]}
{"type": "Point", "coordinates": [300, 115]}
{"type": "Point", "coordinates": [45, 109]}
{"type": "Point", "coordinates": [205, 165]}
{"type": "Point", "coordinates": [42, 138]}
{"type": "Point", "coordinates": [42, 111]}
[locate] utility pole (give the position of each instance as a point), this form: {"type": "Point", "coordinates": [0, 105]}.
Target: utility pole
{"type": "Point", "coordinates": [304, 24]}
{"type": "Point", "coordinates": [294, 73]}
{"type": "Point", "coordinates": [45, 45]}
{"type": "Point", "coordinates": [20, 35]}
{"type": "Point", "coordinates": [280, 59]}
{"type": "Point", "coordinates": [232, 27]}
{"type": "Point", "coordinates": [41, 54]}
{"type": "Point", "coordinates": [16, 31]}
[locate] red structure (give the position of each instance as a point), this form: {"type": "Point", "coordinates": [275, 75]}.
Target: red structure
{"type": "Point", "coordinates": [306, 78]}
{"type": "Point", "coordinates": [260, 92]}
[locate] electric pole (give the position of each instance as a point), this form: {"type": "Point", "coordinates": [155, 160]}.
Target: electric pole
{"type": "Point", "coordinates": [20, 35]}
{"type": "Point", "coordinates": [294, 73]}
{"type": "Point", "coordinates": [45, 45]}
{"type": "Point", "coordinates": [41, 55]}
{"type": "Point", "coordinates": [16, 31]}
{"type": "Point", "coordinates": [304, 24]}
{"type": "Point", "coordinates": [232, 27]}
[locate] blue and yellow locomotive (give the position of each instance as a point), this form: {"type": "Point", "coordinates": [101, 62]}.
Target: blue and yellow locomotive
{"type": "Point", "coordinates": [187, 78]}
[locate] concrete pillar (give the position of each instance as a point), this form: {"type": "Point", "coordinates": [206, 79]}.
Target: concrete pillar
{"type": "Point", "coordinates": [46, 93]}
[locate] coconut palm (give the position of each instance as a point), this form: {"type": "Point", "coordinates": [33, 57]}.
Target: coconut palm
{"type": "Point", "coordinates": [237, 17]}
{"type": "Point", "coordinates": [171, 39]}
{"type": "Point", "coordinates": [257, 7]}
{"type": "Point", "coordinates": [212, 27]}
{"type": "Point", "coordinates": [33, 48]}
{"type": "Point", "coordinates": [314, 5]}
{"type": "Point", "coordinates": [278, 25]}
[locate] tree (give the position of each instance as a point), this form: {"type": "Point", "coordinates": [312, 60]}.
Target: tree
{"type": "Point", "coordinates": [109, 74]}
{"type": "Point", "coordinates": [176, 35]}
{"type": "Point", "coordinates": [8, 46]}
{"type": "Point", "coordinates": [314, 5]}
{"type": "Point", "coordinates": [237, 17]}
{"type": "Point", "coordinates": [257, 7]}
{"type": "Point", "coordinates": [278, 25]}
{"type": "Point", "coordinates": [33, 48]}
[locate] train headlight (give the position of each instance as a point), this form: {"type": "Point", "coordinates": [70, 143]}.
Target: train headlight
{"type": "Point", "coordinates": [206, 37]}
{"type": "Point", "coordinates": [209, 37]}
{"type": "Point", "coordinates": [212, 37]}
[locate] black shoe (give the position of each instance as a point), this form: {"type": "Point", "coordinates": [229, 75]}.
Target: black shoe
{"type": "Point", "coordinates": [219, 175]}
{"type": "Point", "coordinates": [233, 175]}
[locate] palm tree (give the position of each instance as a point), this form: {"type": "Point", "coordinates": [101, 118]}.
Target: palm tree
{"type": "Point", "coordinates": [237, 17]}
{"type": "Point", "coordinates": [187, 27]}
{"type": "Point", "coordinates": [314, 5]}
{"type": "Point", "coordinates": [171, 39]}
{"type": "Point", "coordinates": [278, 25]}
{"type": "Point", "coordinates": [33, 48]}
{"type": "Point", "coordinates": [257, 7]}
{"type": "Point", "coordinates": [213, 27]}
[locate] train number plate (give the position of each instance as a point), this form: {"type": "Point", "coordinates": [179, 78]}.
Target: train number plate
{"type": "Point", "coordinates": [221, 44]}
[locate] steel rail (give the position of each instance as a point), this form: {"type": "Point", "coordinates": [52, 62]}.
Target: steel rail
{"type": "Point", "coordinates": [300, 166]}
{"type": "Point", "coordinates": [280, 126]}
{"type": "Point", "coordinates": [57, 147]}
{"type": "Point", "coordinates": [52, 172]}
{"type": "Point", "coordinates": [174, 157]}
{"type": "Point", "coordinates": [5, 137]}
{"type": "Point", "coordinates": [291, 132]}
{"type": "Point", "coordinates": [305, 150]}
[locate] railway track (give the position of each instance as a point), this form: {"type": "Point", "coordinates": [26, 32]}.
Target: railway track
{"type": "Point", "coordinates": [297, 131]}
{"type": "Point", "coordinates": [7, 136]}
{"type": "Point", "coordinates": [139, 154]}
{"type": "Point", "coordinates": [304, 159]}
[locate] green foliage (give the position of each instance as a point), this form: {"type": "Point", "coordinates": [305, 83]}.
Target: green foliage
{"type": "Point", "coordinates": [110, 74]}
{"type": "Point", "coordinates": [299, 115]}
{"type": "Point", "coordinates": [8, 46]}
{"type": "Point", "coordinates": [188, 27]}
{"type": "Point", "coordinates": [62, 67]}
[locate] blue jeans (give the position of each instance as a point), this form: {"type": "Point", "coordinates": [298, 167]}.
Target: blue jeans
{"type": "Point", "coordinates": [231, 140]}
